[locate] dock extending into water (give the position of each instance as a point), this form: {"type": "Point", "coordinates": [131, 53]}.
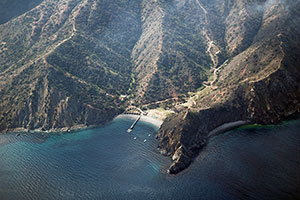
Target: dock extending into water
{"type": "Point", "coordinates": [133, 124]}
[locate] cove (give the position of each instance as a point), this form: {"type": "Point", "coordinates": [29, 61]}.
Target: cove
{"type": "Point", "coordinates": [109, 163]}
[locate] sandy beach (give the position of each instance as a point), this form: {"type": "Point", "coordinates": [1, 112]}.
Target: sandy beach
{"type": "Point", "coordinates": [155, 122]}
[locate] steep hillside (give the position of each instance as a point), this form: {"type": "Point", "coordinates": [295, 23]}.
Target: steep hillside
{"type": "Point", "coordinates": [66, 63]}
{"type": "Point", "coordinates": [100, 50]}
{"type": "Point", "coordinates": [258, 85]}
{"type": "Point", "coordinates": [179, 62]}
{"type": "Point", "coordinates": [76, 63]}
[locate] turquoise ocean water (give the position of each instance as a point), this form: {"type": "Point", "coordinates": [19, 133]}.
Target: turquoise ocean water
{"type": "Point", "coordinates": [109, 163]}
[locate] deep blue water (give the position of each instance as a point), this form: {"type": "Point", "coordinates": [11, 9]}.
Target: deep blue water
{"type": "Point", "coordinates": [107, 163]}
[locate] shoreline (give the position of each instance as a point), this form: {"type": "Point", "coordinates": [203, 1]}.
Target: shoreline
{"type": "Point", "coordinates": [156, 122]}
{"type": "Point", "coordinates": [52, 130]}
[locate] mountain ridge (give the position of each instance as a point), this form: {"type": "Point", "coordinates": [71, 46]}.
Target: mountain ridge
{"type": "Point", "coordinates": [69, 64]}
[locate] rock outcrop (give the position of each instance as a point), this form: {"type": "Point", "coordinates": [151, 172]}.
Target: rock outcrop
{"type": "Point", "coordinates": [259, 85]}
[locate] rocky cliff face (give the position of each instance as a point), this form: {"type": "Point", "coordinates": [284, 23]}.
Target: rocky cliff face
{"type": "Point", "coordinates": [66, 63]}
{"type": "Point", "coordinates": [258, 85]}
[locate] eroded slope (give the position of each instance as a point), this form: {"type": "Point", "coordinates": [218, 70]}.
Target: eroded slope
{"type": "Point", "coordinates": [258, 85]}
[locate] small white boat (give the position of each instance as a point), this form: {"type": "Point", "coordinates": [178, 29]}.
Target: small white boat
{"type": "Point", "coordinates": [145, 140]}
{"type": "Point", "coordinates": [149, 135]}
{"type": "Point", "coordinates": [134, 138]}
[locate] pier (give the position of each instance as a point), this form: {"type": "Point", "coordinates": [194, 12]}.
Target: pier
{"type": "Point", "coordinates": [133, 124]}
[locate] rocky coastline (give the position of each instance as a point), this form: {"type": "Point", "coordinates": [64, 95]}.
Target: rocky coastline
{"type": "Point", "coordinates": [259, 85]}
{"type": "Point", "coordinates": [184, 135]}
